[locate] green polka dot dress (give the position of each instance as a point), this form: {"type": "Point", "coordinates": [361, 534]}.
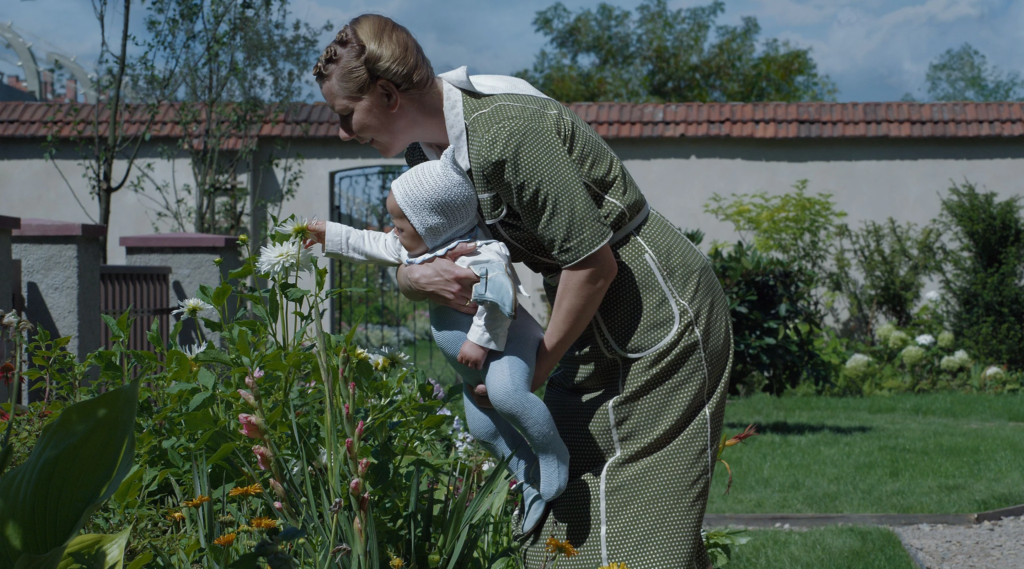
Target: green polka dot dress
{"type": "Point", "coordinates": [639, 397]}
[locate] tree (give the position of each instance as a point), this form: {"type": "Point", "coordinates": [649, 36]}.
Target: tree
{"type": "Point", "coordinates": [100, 149]}
{"type": "Point", "coordinates": [662, 55]}
{"type": "Point", "coordinates": [964, 74]}
{"type": "Point", "coordinates": [235, 65]}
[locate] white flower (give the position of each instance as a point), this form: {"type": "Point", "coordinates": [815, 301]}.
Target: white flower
{"type": "Point", "coordinates": [362, 354]}
{"type": "Point", "coordinates": [961, 355]}
{"type": "Point", "coordinates": [395, 357]}
{"type": "Point", "coordinates": [487, 466]}
{"type": "Point", "coordinates": [192, 351]}
{"type": "Point", "coordinates": [295, 228]}
{"type": "Point", "coordinates": [884, 331]}
{"type": "Point", "coordinates": [191, 307]}
{"type": "Point", "coordinates": [278, 258]}
{"type": "Point", "coordinates": [11, 320]}
{"type": "Point", "coordinates": [898, 339]}
{"type": "Point", "coordinates": [932, 296]}
{"type": "Point", "coordinates": [912, 355]}
{"type": "Point", "coordinates": [992, 371]}
{"type": "Point", "coordinates": [444, 411]}
{"type": "Point", "coordinates": [858, 364]}
{"type": "Point", "coordinates": [946, 339]}
{"type": "Point", "coordinates": [924, 340]}
{"type": "Point", "coordinates": [379, 362]}
{"type": "Point", "coordinates": [957, 361]}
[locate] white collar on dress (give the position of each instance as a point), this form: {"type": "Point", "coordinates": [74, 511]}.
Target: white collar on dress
{"type": "Point", "coordinates": [453, 83]}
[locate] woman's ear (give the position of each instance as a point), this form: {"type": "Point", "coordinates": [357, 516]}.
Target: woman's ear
{"type": "Point", "coordinates": [391, 95]}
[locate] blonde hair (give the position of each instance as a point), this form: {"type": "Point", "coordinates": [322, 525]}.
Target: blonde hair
{"type": "Point", "coordinates": [373, 47]}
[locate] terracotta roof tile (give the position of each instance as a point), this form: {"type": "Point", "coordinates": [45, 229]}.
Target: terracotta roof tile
{"type": "Point", "coordinates": [610, 120]}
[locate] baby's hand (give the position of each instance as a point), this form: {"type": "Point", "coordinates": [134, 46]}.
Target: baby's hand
{"type": "Point", "coordinates": [472, 355]}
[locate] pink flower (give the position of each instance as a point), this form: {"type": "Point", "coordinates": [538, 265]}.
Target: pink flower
{"type": "Point", "coordinates": [278, 506]}
{"type": "Point", "coordinates": [350, 446]}
{"type": "Point", "coordinates": [348, 413]}
{"type": "Point", "coordinates": [364, 466]}
{"type": "Point", "coordinates": [359, 429]}
{"type": "Point", "coordinates": [364, 502]}
{"type": "Point", "coordinates": [355, 486]}
{"type": "Point", "coordinates": [251, 425]}
{"type": "Point", "coordinates": [263, 456]}
{"type": "Point", "coordinates": [247, 397]}
{"type": "Point", "coordinates": [277, 488]}
{"type": "Point", "coordinates": [250, 380]}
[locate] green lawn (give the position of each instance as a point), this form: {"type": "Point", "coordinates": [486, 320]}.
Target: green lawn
{"type": "Point", "coordinates": [938, 453]}
{"type": "Point", "coordinates": [822, 548]}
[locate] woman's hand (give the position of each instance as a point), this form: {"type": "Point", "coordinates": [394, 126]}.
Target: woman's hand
{"type": "Point", "coordinates": [317, 234]}
{"type": "Point", "coordinates": [441, 280]}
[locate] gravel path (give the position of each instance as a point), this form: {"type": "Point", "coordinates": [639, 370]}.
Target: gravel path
{"type": "Point", "coordinates": [988, 545]}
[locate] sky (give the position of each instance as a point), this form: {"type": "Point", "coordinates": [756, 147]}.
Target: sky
{"type": "Point", "coordinates": [874, 50]}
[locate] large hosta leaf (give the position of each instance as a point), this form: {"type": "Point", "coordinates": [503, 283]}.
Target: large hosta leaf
{"type": "Point", "coordinates": [77, 463]}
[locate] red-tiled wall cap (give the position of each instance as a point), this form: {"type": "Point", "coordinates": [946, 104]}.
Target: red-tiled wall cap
{"type": "Point", "coordinates": [53, 228]}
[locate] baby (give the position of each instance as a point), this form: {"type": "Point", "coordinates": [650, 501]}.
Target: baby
{"type": "Point", "coordinates": [433, 209]}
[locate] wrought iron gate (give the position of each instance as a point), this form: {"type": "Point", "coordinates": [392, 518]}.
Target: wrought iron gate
{"type": "Point", "coordinates": [384, 319]}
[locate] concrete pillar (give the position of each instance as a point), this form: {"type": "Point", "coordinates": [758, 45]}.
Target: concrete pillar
{"type": "Point", "coordinates": [7, 276]}
{"type": "Point", "coordinates": [191, 258]}
{"type": "Point", "coordinates": [60, 279]}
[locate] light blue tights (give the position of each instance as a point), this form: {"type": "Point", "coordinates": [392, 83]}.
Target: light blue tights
{"type": "Point", "coordinates": [520, 425]}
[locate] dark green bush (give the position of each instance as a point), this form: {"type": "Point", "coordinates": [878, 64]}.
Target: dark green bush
{"type": "Point", "coordinates": [774, 321]}
{"type": "Point", "coordinates": [982, 273]}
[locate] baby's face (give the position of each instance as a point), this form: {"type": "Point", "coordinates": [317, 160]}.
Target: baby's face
{"type": "Point", "coordinates": [407, 236]}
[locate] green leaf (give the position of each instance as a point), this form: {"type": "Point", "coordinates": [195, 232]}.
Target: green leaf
{"type": "Point", "coordinates": [115, 330]}
{"type": "Point", "coordinates": [78, 462]}
{"type": "Point", "coordinates": [141, 561]}
{"type": "Point", "coordinates": [296, 294]}
{"type": "Point", "coordinates": [206, 378]}
{"type": "Point", "coordinates": [198, 399]}
{"type": "Point", "coordinates": [93, 551]}
{"type": "Point", "coordinates": [222, 293]}
{"type": "Point", "coordinates": [211, 355]}
{"type": "Point", "coordinates": [246, 561]}
{"type": "Point", "coordinates": [224, 450]}
{"type": "Point", "coordinates": [242, 272]}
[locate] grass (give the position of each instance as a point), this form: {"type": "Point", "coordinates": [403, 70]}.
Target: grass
{"type": "Point", "coordinates": [934, 453]}
{"type": "Point", "coordinates": [822, 548]}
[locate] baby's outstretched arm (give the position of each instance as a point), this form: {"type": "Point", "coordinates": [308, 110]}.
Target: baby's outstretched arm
{"type": "Point", "coordinates": [356, 245]}
{"type": "Point", "coordinates": [472, 355]}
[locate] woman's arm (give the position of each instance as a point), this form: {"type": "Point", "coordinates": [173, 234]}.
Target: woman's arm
{"type": "Point", "coordinates": [581, 288]}
{"type": "Point", "coordinates": [441, 281]}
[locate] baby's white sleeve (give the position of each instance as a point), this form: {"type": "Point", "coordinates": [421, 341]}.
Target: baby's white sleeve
{"type": "Point", "coordinates": [362, 246]}
{"type": "Point", "coordinates": [490, 328]}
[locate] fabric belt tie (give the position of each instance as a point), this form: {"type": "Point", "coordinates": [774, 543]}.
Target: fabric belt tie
{"type": "Point", "coordinates": [616, 237]}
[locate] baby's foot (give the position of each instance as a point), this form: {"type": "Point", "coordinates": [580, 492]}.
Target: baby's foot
{"type": "Point", "coordinates": [533, 508]}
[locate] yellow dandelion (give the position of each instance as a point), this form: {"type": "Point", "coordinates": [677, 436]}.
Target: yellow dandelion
{"type": "Point", "coordinates": [250, 490]}
{"type": "Point", "coordinates": [397, 563]}
{"type": "Point", "coordinates": [199, 501]}
{"type": "Point", "coordinates": [225, 540]}
{"type": "Point", "coordinates": [176, 517]}
{"type": "Point", "coordinates": [563, 547]}
{"type": "Point", "coordinates": [614, 566]}
{"type": "Point", "coordinates": [263, 523]}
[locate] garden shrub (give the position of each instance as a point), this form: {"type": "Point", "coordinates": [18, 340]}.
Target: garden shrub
{"type": "Point", "coordinates": [892, 261]}
{"type": "Point", "coordinates": [774, 324]}
{"type": "Point", "coordinates": [982, 273]}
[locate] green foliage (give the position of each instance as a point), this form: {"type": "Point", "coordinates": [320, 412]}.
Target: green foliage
{"type": "Point", "coordinates": [892, 260]}
{"type": "Point", "coordinates": [774, 326]}
{"type": "Point", "coordinates": [720, 544]}
{"type": "Point", "coordinates": [964, 74]}
{"type": "Point", "coordinates": [95, 551]}
{"type": "Point", "coordinates": [77, 463]}
{"type": "Point", "coordinates": [608, 54]}
{"type": "Point", "coordinates": [982, 257]}
{"type": "Point", "coordinates": [838, 547]}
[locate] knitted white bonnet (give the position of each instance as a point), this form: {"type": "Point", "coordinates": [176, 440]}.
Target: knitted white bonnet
{"type": "Point", "coordinates": [438, 198]}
